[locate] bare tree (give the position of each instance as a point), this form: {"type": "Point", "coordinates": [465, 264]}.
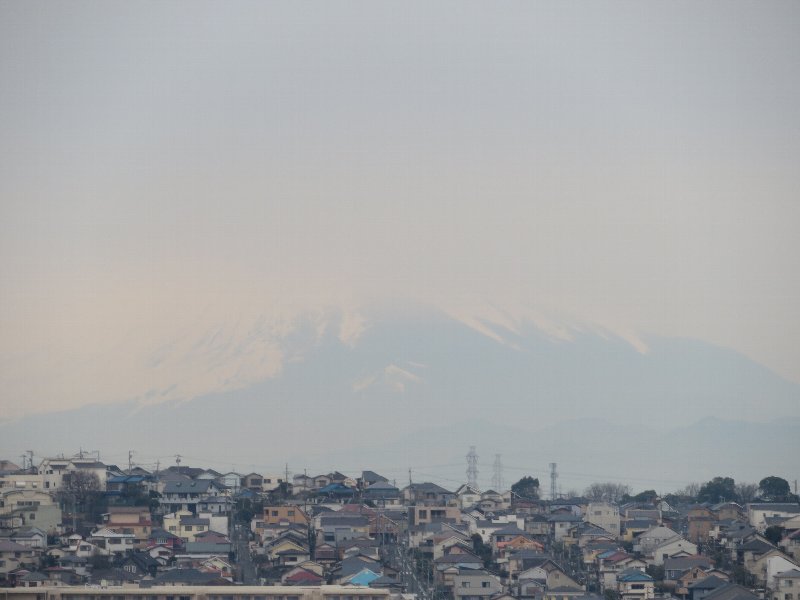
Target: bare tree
{"type": "Point", "coordinates": [80, 488]}
{"type": "Point", "coordinates": [607, 491]}
{"type": "Point", "coordinates": [746, 492]}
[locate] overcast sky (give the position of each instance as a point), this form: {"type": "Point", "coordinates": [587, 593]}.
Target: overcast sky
{"type": "Point", "coordinates": [630, 164]}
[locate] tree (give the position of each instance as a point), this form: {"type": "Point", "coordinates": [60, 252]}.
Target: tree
{"type": "Point", "coordinates": [746, 492]}
{"type": "Point", "coordinates": [607, 492]}
{"type": "Point", "coordinates": [527, 487]}
{"type": "Point", "coordinates": [774, 533]}
{"type": "Point", "coordinates": [719, 489]}
{"type": "Point", "coordinates": [774, 489]}
{"type": "Point", "coordinates": [645, 496]}
{"type": "Point", "coordinates": [81, 488]}
{"type": "Point", "coordinates": [482, 551]}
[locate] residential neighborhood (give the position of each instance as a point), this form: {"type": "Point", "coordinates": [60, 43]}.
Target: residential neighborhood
{"type": "Point", "coordinates": [77, 521]}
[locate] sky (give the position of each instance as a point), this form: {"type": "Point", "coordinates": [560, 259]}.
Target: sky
{"type": "Point", "coordinates": [161, 164]}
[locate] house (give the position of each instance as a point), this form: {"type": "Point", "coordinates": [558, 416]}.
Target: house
{"type": "Point", "coordinates": [683, 585]}
{"type": "Point", "coordinates": [648, 540]}
{"type": "Point", "coordinates": [791, 545]}
{"type": "Point", "coordinates": [633, 584]}
{"type": "Point", "coordinates": [700, 519]}
{"type": "Point", "coordinates": [302, 576]}
{"type": "Point", "coordinates": [111, 541]}
{"type": "Point", "coordinates": [189, 577]}
{"type": "Point", "coordinates": [426, 493]}
{"type": "Point", "coordinates": [201, 550]}
{"type": "Point", "coordinates": [382, 493]}
{"type": "Point", "coordinates": [135, 520]}
{"type": "Point", "coordinates": [633, 528]}
{"type": "Point", "coordinates": [217, 564]}
{"type": "Point", "coordinates": [475, 584]}
{"type": "Point", "coordinates": [422, 514]}
{"type": "Point", "coordinates": [603, 515]}
{"type": "Point", "coordinates": [31, 537]}
{"type": "Point", "coordinates": [767, 566]}
{"type": "Point", "coordinates": [279, 515]}
{"type": "Point", "coordinates": [786, 585]}
{"type": "Point", "coordinates": [363, 578]}
{"type": "Point", "coordinates": [697, 590]}
{"type": "Point", "coordinates": [185, 495]}
{"type": "Point", "coordinates": [337, 527]}
{"type": "Point", "coordinates": [14, 556]}
{"type": "Point", "coordinates": [731, 591]}
{"type": "Point", "coordinates": [670, 548]}
{"type": "Point", "coordinates": [162, 537]}
{"type": "Point", "coordinates": [445, 567]}
{"type": "Point", "coordinates": [675, 568]}
{"type": "Point", "coordinates": [185, 525]}
{"type": "Point", "coordinates": [29, 507]}
{"type": "Point", "coordinates": [140, 564]}
{"type": "Point", "coordinates": [758, 512]}
{"type": "Point", "coordinates": [253, 482]}
{"type": "Point", "coordinates": [561, 524]}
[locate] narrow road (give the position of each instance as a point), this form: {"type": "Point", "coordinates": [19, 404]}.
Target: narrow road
{"type": "Point", "coordinates": [241, 547]}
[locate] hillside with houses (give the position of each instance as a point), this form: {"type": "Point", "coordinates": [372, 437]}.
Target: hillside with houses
{"type": "Point", "coordinates": [77, 522]}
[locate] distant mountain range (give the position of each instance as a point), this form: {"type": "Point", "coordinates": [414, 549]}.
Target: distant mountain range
{"type": "Point", "coordinates": [390, 390]}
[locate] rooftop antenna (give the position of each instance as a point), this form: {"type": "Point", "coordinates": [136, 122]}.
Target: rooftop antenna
{"type": "Point", "coordinates": [553, 477]}
{"type": "Point", "coordinates": [497, 478]}
{"type": "Point", "coordinates": [178, 459]}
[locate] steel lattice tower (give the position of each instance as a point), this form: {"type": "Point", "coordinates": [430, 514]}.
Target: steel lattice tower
{"type": "Point", "coordinates": [472, 468]}
{"type": "Point", "coordinates": [497, 477]}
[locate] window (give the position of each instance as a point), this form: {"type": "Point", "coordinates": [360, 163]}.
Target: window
{"type": "Point", "coordinates": [274, 513]}
{"type": "Point", "coordinates": [484, 584]}
{"type": "Point", "coordinates": [188, 528]}
{"type": "Point", "coordinates": [291, 513]}
{"type": "Point", "coordinates": [465, 584]}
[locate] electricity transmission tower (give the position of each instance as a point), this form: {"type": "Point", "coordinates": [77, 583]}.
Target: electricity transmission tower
{"type": "Point", "coordinates": [497, 477]}
{"type": "Point", "coordinates": [472, 468]}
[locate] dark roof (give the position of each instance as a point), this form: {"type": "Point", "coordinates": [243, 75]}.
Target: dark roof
{"type": "Point", "coordinates": [197, 486]}
{"type": "Point", "coordinates": [709, 583]}
{"type": "Point", "coordinates": [372, 476]}
{"type": "Point", "coordinates": [757, 546]}
{"type": "Point", "coordinates": [190, 576]}
{"type": "Point", "coordinates": [428, 487]}
{"type": "Point", "coordinates": [789, 507]}
{"type": "Point", "coordinates": [792, 573]}
{"type": "Point", "coordinates": [194, 521]}
{"type": "Point", "coordinates": [683, 563]}
{"type": "Point", "coordinates": [730, 591]}
{"type": "Point", "coordinates": [207, 548]}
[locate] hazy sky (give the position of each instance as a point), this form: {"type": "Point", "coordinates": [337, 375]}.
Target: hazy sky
{"type": "Point", "coordinates": [630, 164]}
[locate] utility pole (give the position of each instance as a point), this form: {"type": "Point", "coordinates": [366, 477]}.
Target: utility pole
{"type": "Point", "coordinates": [130, 461]}
{"type": "Point", "coordinates": [553, 477]}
